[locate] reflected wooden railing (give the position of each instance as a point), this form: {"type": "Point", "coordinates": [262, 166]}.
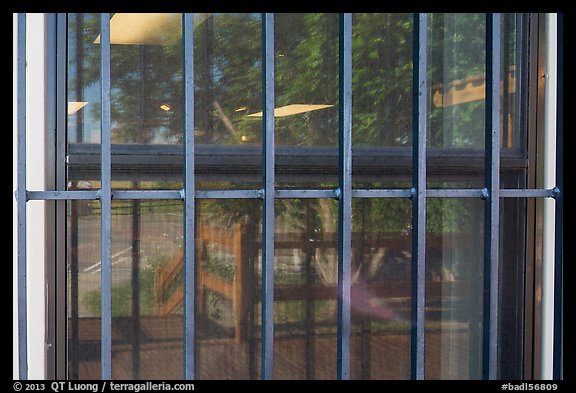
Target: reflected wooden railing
{"type": "Point", "coordinates": [168, 299]}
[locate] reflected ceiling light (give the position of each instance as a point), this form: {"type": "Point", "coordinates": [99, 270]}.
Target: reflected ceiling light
{"type": "Point", "coordinates": [75, 106]}
{"type": "Point", "coordinates": [242, 108]}
{"type": "Point", "coordinates": [293, 109]}
{"type": "Point", "coordinates": [165, 107]}
{"type": "Point", "coordinates": [148, 28]}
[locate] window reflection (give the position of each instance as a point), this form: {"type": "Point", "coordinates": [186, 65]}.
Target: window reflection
{"type": "Point", "coordinates": [228, 79]}
{"type": "Point", "coordinates": [228, 271]}
{"type": "Point", "coordinates": [382, 80]}
{"type": "Point", "coordinates": [454, 288]}
{"type": "Point", "coordinates": [147, 133]}
{"type": "Point", "coordinates": [381, 285]}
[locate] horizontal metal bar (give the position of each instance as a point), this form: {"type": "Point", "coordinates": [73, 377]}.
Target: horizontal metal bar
{"type": "Point", "coordinates": [382, 193]}
{"type": "Point", "coordinates": [61, 195]}
{"type": "Point", "coordinates": [288, 194]}
{"type": "Point", "coordinates": [146, 194]}
{"type": "Point", "coordinates": [455, 193]}
{"type": "Point", "coordinates": [229, 194]}
{"type": "Point", "coordinates": [529, 193]}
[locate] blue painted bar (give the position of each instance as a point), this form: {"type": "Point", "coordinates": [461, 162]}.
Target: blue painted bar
{"type": "Point", "coordinates": [290, 194]}
{"type": "Point", "coordinates": [228, 194]}
{"type": "Point", "coordinates": [284, 194]}
{"type": "Point", "coordinates": [382, 193]}
{"type": "Point", "coordinates": [345, 200]}
{"type": "Point", "coordinates": [21, 200]}
{"type": "Point", "coordinates": [267, 362]}
{"type": "Point", "coordinates": [527, 193]}
{"type": "Point", "coordinates": [189, 191]}
{"type": "Point", "coordinates": [146, 194]}
{"type": "Point", "coordinates": [105, 197]}
{"type": "Point", "coordinates": [492, 204]}
{"type": "Point", "coordinates": [62, 195]}
{"type": "Point", "coordinates": [419, 122]}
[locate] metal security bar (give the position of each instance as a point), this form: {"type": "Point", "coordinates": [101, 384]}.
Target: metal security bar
{"type": "Point", "coordinates": [419, 113]}
{"type": "Point", "coordinates": [189, 195]}
{"type": "Point", "coordinates": [21, 200]}
{"type": "Point", "coordinates": [105, 196]}
{"type": "Point", "coordinates": [268, 194]}
{"type": "Point", "coordinates": [345, 196]}
{"type": "Point", "coordinates": [492, 205]}
{"type": "Point", "coordinates": [418, 194]}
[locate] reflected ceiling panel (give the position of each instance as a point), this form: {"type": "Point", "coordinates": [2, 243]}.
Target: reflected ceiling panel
{"type": "Point", "coordinates": [148, 28]}
{"type": "Point", "coordinates": [293, 109]}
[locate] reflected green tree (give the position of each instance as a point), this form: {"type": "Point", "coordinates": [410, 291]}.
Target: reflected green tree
{"type": "Point", "coordinates": [228, 90]}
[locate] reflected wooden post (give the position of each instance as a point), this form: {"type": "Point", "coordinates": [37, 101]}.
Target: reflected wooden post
{"type": "Point", "coordinates": [365, 325]}
{"type": "Point", "coordinates": [202, 261]}
{"type": "Point", "coordinates": [241, 282]}
{"type": "Point", "coordinates": [309, 249]}
{"type": "Point", "coordinates": [251, 248]}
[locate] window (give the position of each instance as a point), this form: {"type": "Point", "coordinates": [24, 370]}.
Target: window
{"type": "Point", "coordinates": [293, 196]}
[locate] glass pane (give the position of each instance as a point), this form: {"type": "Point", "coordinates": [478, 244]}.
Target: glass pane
{"type": "Point", "coordinates": [83, 78]}
{"type": "Point", "coordinates": [513, 57]}
{"type": "Point", "coordinates": [520, 269]}
{"type": "Point", "coordinates": [306, 88]}
{"type": "Point", "coordinates": [146, 78]}
{"type": "Point", "coordinates": [456, 61]}
{"type": "Point", "coordinates": [381, 289]}
{"type": "Point", "coordinates": [454, 288]}
{"type": "Point", "coordinates": [515, 111]}
{"type": "Point", "coordinates": [146, 96]}
{"type": "Point", "coordinates": [305, 295]}
{"type": "Point", "coordinates": [382, 95]}
{"type": "Point", "coordinates": [147, 289]}
{"type": "Point", "coordinates": [228, 97]}
{"type": "Point", "coordinates": [228, 271]}
{"type": "Point", "coordinates": [456, 72]}
{"type": "Point", "coordinates": [83, 289]}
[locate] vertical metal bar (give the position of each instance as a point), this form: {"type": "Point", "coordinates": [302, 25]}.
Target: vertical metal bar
{"type": "Point", "coordinates": [105, 200]}
{"type": "Point", "coordinates": [61, 181]}
{"type": "Point", "coordinates": [558, 345]}
{"type": "Point", "coordinates": [492, 207]}
{"type": "Point", "coordinates": [189, 202]}
{"type": "Point", "coordinates": [268, 208]}
{"type": "Point", "coordinates": [419, 114]}
{"type": "Point", "coordinates": [21, 199]}
{"type": "Point", "coordinates": [345, 200]}
{"type": "Point", "coordinates": [73, 341]}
